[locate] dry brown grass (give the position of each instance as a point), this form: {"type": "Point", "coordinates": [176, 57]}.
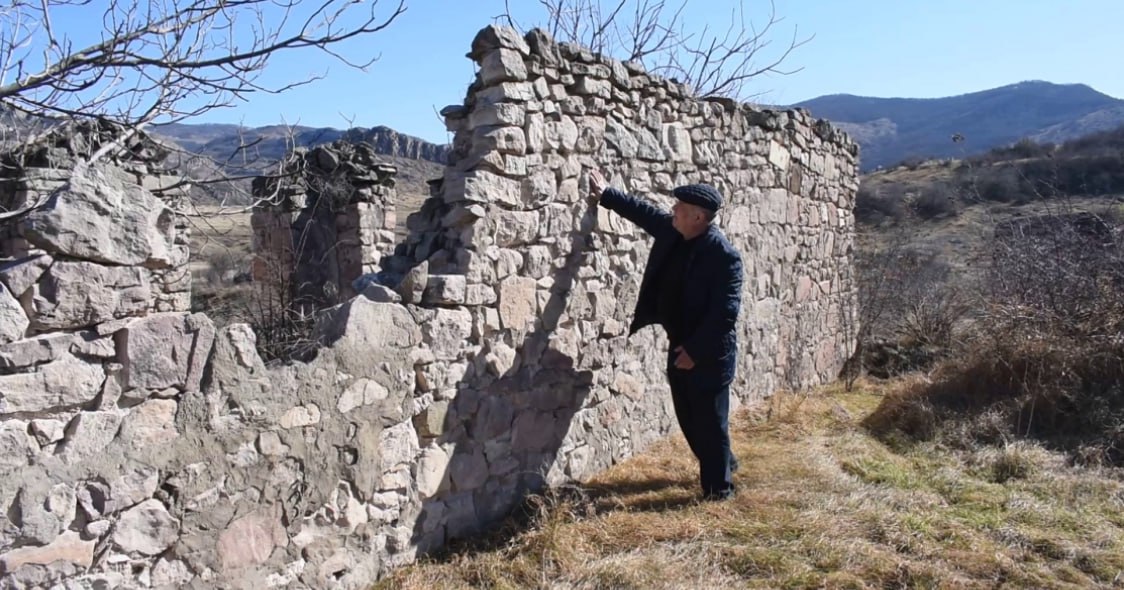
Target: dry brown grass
{"type": "Point", "coordinates": [821, 504]}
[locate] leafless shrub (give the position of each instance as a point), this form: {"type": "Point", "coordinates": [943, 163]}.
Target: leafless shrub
{"type": "Point", "coordinates": [1045, 358]}
{"type": "Point", "coordinates": [933, 306]}
{"type": "Point", "coordinates": [874, 204]}
{"type": "Point", "coordinates": [908, 310]}
{"type": "Point", "coordinates": [1057, 274]}
{"type": "Point", "coordinates": [292, 274]}
{"type": "Point", "coordinates": [936, 201]}
{"type": "Point", "coordinates": [284, 324]}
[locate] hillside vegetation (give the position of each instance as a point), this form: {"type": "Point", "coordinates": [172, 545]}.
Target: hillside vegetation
{"type": "Point", "coordinates": [1023, 173]}
{"type": "Point", "coordinates": [1000, 276]}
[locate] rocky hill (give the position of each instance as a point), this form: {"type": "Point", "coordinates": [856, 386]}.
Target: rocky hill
{"type": "Point", "coordinates": [222, 142]}
{"type": "Point", "coordinates": [208, 149]}
{"type": "Point", "coordinates": [891, 130]}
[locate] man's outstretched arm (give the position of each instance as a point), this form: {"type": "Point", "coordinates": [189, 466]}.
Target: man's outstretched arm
{"type": "Point", "coordinates": [650, 218]}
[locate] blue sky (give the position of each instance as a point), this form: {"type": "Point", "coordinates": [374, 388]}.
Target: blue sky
{"type": "Point", "coordinates": [904, 48]}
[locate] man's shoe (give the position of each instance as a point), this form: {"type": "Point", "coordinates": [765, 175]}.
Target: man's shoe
{"type": "Point", "coordinates": [718, 496]}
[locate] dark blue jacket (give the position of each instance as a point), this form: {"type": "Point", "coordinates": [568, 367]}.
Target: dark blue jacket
{"type": "Point", "coordinates": [712, 288]}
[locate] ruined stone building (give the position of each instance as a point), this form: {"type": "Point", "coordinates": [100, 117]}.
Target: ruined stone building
{"type": "Point", "coordinates": [486, 355]}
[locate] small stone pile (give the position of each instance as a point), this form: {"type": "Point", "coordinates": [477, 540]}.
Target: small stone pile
{"type": "Point", "coordinates": [325, 220]}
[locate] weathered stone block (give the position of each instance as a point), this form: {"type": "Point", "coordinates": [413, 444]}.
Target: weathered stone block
{"type": "Point", "coordinates": [363, 392]}
{"type": "Point", "coordinates": [501, 359]}
{"type": "Point", "coordinates": [166, 350]}
{"type": "Point", "coordinates": [150, 423]}
{"type": "Point", "coordinates": [90, 344]}
{"type": "Point", "coordinates": [468, 469]}
{"type": "Point", "coordinates": [516, 228]}
{"type": "Point", "coordinates": [88, 434]}
{"type": "Point", "coordinates": [81, 294]}
{"type": "Point", "coordinates": [20, 275]}
{"type": "Point", "coordinates": [448, 332]}
{"type": "Point", "coordinates": [539, 188]}
{"type": "Point", "coordinates": [590, 86]}
{"type": "Point", "coordinates": [480, 295]}
{"type": "Point", "coordinates": [507, 92]}
{"type": "Point", "coordinates": [48, 431]}
{"type": "Point", "coordinates": [677, 143]}
{"type": "Point", "coordinates": [517, 302]}
{"type": "Point", "coordinates": [60, 384]}
{"type": "Point", "coordinates": [433, 471]}
{"type": "Point", "coordinates": [778, 156]}
{"type": "Point", "coordinates": [29, 352]}
{"type": "Point", "coordinates": [495, 37]}
{"type": "Point", "coordinates": [13, 320]}
{"type": "Point", "coordinates": [431, 421]}
{"type": "Point", "coordinates": [299, 416]}
{"type": "Point", "coordinates": [97, 217]}
{"type": "Point", "coordinates": [68, 548]}
{"type": "Point", "coordinates": [502, 65]}
{"type": "Point", "coordinates": [147, 529]}
{"type": "Point", "coordinates": [133, 487]}
{"type": "Point", "coordinates": [561, 135]}
{"type": "Point", "coordinates": [497, 114]}
{"type": "Point", "coordinates": [397, 450]}
{"type": "Point", "coordinates": [482, 186]}
{"type": "Point", "coordinates": [16, 445]}
{"type": "Point", "coordinates": [250, 540]}
{"type": "Point", "coordinates": [445, 290]}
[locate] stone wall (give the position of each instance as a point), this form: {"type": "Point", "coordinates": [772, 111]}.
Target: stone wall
{"type": "Point", "coordinates": [511, 211]}
{"type": "Point", "coordinates": [325, 220]}
{"type": "Point", "coordinates": [70, 264]}
{"type": "Point", "coordinates": [489, 357]}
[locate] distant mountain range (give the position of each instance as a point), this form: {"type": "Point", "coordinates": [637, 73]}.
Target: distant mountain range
{"type": "Point", "coordinates": [221, 142]}
{"type": "Point", "coordinates": [890, 130]}
{"type": "Point", "coordinates": [249, 151]}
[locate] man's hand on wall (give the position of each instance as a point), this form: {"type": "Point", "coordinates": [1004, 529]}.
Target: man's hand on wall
{"type": "Point", "coordinates": [597, 183]}
{"type": "Point", "coordinates": [683, 360]}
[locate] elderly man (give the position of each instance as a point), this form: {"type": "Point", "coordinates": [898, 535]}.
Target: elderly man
{"type": "Point", "coordinates": [692, 287]}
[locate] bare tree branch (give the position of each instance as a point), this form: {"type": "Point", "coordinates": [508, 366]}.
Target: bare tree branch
{"type": "Point", "coordinates": [654, 34]}
{"type": "Point", "coordinates": [165, 61]}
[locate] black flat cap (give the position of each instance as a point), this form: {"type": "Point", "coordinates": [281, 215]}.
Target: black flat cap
{"type": "Point", "coordinates": [703, 195]}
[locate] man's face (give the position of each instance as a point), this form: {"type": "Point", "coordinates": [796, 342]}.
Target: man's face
{"type": "Point", "coordinates": [688, 219]}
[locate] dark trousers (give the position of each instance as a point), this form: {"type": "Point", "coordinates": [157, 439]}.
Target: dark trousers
{"type": "Point", "coordinates": [704, 413]}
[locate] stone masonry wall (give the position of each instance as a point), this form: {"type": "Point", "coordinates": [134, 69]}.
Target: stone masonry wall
{"type": "Point", "coordinates": [323, 222]}
{"type": "Point", "coordinates": [150, 266]}
{"type": "Point", "coordinates": [539, 381]}
{"type": "Point", "coordinates": [489, 357]}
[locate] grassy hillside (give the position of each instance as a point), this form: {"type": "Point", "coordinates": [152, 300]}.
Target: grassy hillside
{"type": "Point", "coordinates": [822, 504]}
{"type": "Point", "coordinates": [1024, 173]}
